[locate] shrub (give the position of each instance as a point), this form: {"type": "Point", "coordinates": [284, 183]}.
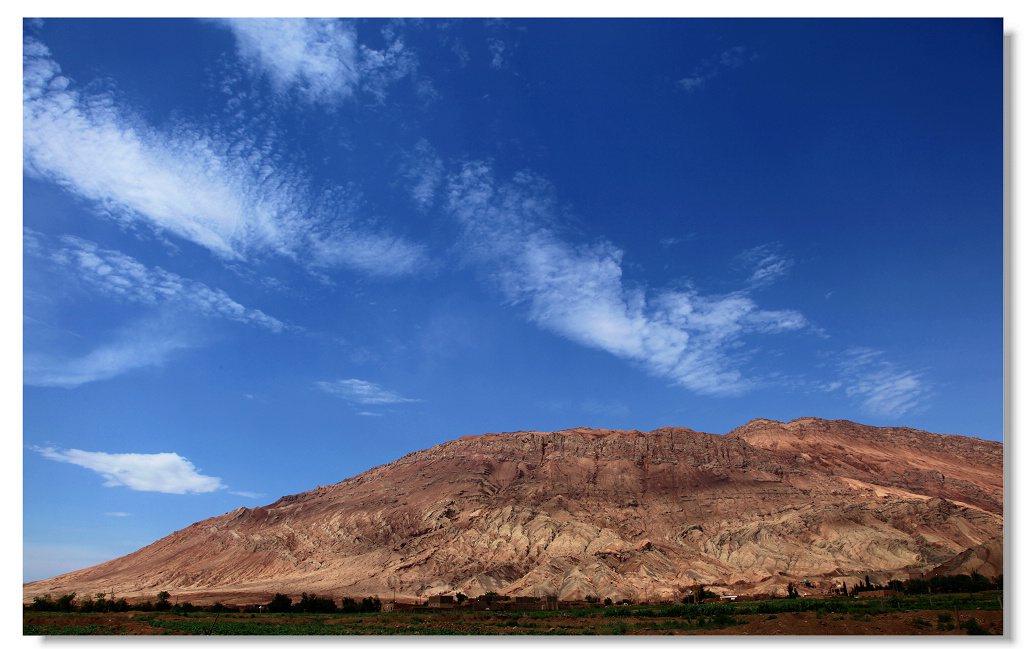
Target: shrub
{"type": "Point", "coordinates": [43, 603]}
{"type": "Point", "coordinates": [312, 604]}
{"type": "Point", "coordinates": [280, 604]}
{"type": "Point", "coordinates": [163, 602]}
{"type": "Point", "coordinates": [66, 603]}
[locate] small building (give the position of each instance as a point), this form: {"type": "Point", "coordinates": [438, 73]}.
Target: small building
{"type": "Point", "coordinates": [876, 593]}
{"type": "Point", "coordinates": [391, 607]}
{"type": "Point", "coordinates": [441, 601]}
{"type": "Point", "coordinates": [490, 602]}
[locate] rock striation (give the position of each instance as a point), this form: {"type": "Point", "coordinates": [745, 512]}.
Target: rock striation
{"type": "Point", "coordinates": [602, 513]}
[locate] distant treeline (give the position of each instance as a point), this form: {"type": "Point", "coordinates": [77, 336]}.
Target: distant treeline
{"type": "Point", "coordinates": [310, 603]}
{"type": "Point", "coordinates": [972, 583]}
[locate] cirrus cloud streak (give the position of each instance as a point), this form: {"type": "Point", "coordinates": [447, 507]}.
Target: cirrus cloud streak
{"type": "Point", "coordinates": [362, 392]}
{"type": "Point", "coordinates": [578, 290]}
{"type": "Point", "coordinates": [230, 195]}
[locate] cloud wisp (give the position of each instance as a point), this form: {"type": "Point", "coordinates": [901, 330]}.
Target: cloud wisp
{"type": "Point", "coordinates": [423, 172]}
{"type": "Point", "coordinates": [709, 68]}
{"type": "Point", "coordinates": [121, 277]}
{"type": "Point", "coordinates": [140, 345]}
{"type": "Point", "coordinates": [362, 392]}
{"type": "Point", "coordinates": [162, 472]}
{"type": "Point", "coordinates": [882, 388]}
{"type": "Point", "coordinates": [320, 59]}
{"type": "Point", "coordinates": [317, 57]}
{"type": "Point", "coordinates": [230, 195]}
{"type": "Point", "coordinates": [578, 291]}
{"type": "Point", "coordinates": [766, 263]}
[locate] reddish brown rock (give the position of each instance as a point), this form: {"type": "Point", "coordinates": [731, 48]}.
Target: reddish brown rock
{"type": "Point", "coordinates": [594, 512]}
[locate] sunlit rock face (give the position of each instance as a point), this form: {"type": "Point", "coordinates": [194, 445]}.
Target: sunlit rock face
{"type": "Point", "coordinates": [601, 513]}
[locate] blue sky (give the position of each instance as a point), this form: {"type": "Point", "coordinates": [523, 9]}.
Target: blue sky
{"type": "Point", "coordinates": [262, 256]}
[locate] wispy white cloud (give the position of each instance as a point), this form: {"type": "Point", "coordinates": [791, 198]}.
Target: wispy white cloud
{"type": "Point", "coordinates": [117, 514]}
{"type": "Point", "coordinates": [117, 275]}
{"type": "Point", "coordinates": [381, 68]}
{"type": "Point", "coordinates": [709, 68]}
{"type": "Point", "coordinates": [423, 171]}
{"type": "Point", "coordinates": [362, 392]}
{"type": "Point", "coordinates": [882, 387]}
{"type": "Point", "coordinates": [766, 264]}
{"type": "Point", "coordinates": [498, 53]}
{"type": "Point", "coordinates": [163, 472]}
{"type": "Point", "coordinates": [577, 290]}
{"type": "Point", "coordinates": [668, 242]}
{"type": "Point", "coordinates": [317, 57]}
{"type": "Point", "coordinates": [246, 494]}
{"type": "Point", "coordinates": [320, 58]}
{"type": "Point", "coordinates": [229, 194]}
{"type": "Point", "coordinates": [140, 345]}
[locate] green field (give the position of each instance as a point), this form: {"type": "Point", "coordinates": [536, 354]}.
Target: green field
{"type": "Point", "coordinates": [976, 613]}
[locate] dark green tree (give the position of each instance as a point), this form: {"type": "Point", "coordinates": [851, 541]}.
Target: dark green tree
{"type": "Point", "coordinates": [163, 602]}
{"type": "Point", "coordinates": [280, 604]}
{"type": "Point", "coordinates": [701, 593]}
{"type": "Point", "coordinates": [66, 603]}
{"type": "Point", "coordinates": [310, 603]}
{"type": "Point", "coordinates": [43, 603]}
{"type": "Point", "coordinates": [370, 605]}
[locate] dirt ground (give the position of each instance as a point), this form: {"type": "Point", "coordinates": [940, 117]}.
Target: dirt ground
{"type": "Point", "coordinates": [894, 623]}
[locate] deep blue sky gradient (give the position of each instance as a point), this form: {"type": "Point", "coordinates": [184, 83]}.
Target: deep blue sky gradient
{"type": "Point", "coordinates": [520, 203]}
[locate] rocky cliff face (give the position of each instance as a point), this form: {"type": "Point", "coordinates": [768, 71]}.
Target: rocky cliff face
{"type": "Point", "coordinates": [596, 512]}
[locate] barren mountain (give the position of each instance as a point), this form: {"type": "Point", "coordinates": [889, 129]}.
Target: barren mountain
{"type": "Point", "coordinates": [598, 512]}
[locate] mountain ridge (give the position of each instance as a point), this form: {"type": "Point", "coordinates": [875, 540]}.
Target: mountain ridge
{"type": "Point", "coordinates": [597, 512]}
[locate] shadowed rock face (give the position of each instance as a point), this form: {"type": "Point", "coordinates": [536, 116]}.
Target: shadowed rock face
{"type": "Point", "coordinates": [597, 512]}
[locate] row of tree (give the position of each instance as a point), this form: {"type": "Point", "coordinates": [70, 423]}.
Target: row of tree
{"type": "Point", "coordinates": [972, 583]}
{"type": "Point", "coordinates": [310, 603]}
{"type": "Point", "coordinates": [69, 603]}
